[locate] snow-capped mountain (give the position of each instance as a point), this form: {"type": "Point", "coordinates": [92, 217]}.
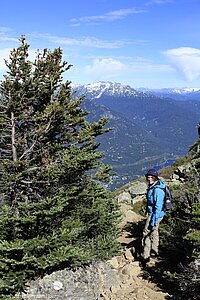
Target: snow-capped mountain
{"type": "Point", "coordinates": [174, 93]}
{"type": "Point", "coordinates": [181, 90]}
{"type": "Point", "coordinates": [101, 88]}
{"type": "Point", "coordinates": [148, 128]}
{"type": "Point", "coordinates": [114, 89]}
{"type": "Point", "coordinates": [171, 90]}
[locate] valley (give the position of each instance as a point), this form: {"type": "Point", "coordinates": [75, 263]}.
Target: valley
{"type": "Point", "coordinates": [146, 129]}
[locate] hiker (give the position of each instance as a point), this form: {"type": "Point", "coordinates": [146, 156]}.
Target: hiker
{"type": "Point", "coordinates": [155, 211]}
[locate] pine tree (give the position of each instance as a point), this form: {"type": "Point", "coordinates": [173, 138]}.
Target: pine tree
{"type": "Point", "coordinates": [54, 209]}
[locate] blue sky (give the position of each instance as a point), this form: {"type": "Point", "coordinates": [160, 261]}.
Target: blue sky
{"type": "Point", "coordinates": [143, 43]}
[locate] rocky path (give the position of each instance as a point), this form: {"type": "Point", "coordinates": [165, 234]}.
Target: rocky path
{"type": "Point", "coordinates": [133, 282]}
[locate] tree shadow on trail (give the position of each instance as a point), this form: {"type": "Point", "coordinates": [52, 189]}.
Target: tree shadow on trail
{"type": "Point", "coordinates": [159, 271]}
{"type": "Point", "coordinates": [135, 231]}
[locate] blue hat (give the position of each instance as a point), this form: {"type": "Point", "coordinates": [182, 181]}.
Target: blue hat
{"type": "Point", "coordinates": [152, 172]}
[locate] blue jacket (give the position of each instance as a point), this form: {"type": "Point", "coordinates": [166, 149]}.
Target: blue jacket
{"type": "Point", "coordinates": [155, 201]}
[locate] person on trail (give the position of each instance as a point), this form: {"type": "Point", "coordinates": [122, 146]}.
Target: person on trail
{"type": "Point", "coordinates": [155, 210]}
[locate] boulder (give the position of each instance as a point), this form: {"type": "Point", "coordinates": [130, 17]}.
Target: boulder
{"type": "Point", "coordinates": [137, 188]}
{"type": "Point", "coordinates": [124, 197]}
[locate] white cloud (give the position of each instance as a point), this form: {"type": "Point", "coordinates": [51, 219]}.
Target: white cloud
{"type": "Point", "coordinates": [110, 16]}
{"type": "Point", "coordinates": [186, 60]}
{"type": "Point", "coordinates": [105, 68]}
{"type": "Point", "coordinates": [87, 41]}
{"type": "Point", "coordinates": [4, 30]}
{"type": "Point", "coordinates": [108, 68]}
{"type": "Point", "coordinates": [8, 39]}
{"type": "Point", "coordinates": [141, 64]}
{"type": "Point", "coordinates": [4, 37]}
{"type": "Point", "coordinates": [154, 2]}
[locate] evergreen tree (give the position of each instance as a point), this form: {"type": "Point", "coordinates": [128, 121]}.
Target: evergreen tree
{"type": "Point", "coordinates": [54, 209]}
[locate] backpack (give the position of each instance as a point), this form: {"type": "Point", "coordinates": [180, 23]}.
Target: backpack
{"type": "Point", "coordinates": [167, 205]}
{"type": "Point", "coordinates": [167, 199]}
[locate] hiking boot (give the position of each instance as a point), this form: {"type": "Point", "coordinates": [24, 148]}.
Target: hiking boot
{"type": "Point", "coordinates": [144, 262]}
{"type": "Point", "coordinates": [154, 254]}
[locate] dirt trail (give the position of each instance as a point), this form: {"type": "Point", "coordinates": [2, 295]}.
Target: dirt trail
{"type": "Point", "coordinates": [134, 282]}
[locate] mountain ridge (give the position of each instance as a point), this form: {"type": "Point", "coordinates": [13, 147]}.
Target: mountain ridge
{"type": "Point", "coordinates": [147, 130]}
{"type": "Point", "coordinates": [100, 88]}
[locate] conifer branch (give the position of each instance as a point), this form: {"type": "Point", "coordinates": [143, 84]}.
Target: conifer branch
{"type": "Point", "coordinates": [14, 151]}
{"type": "Point", "coordinates": [28, 150]}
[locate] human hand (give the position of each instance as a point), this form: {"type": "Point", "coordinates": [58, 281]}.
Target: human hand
{"type": "Point", "coordinates": [145, 233]}
{"type": "Point", "coordinates": [152, 228]}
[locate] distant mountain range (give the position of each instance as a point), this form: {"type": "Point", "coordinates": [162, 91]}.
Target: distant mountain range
{"type": "Point", "coordinates": [150, 127]}
{"type": "Point", "coordinates": [98, 89]}
{"type": "Point", "coordinates": [174, 93]}
{"type": "Point", "coordinates": [172, 90]}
